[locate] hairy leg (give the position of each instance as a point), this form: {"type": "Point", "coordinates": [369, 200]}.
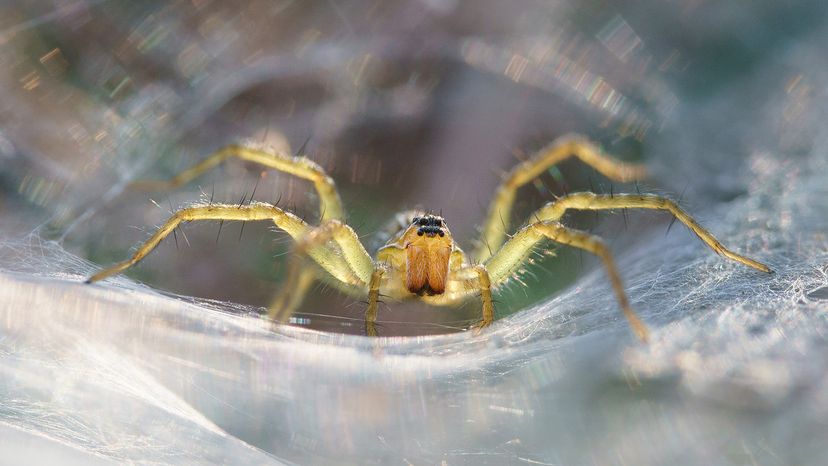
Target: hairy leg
{"type": "Point", "coordinates": [484, 284]}
{"type": "Point", "coordinates": [301, 275]}
{"type": "Point", "coordinates": [500, 209]}
{"type": "Point", "coordinates": [512, 254]}
{"type": "Point", "coordinates": [329, 259]}
{"type": "Point", "coordinates": [373, 301]}
{"type": "Point", "coordinates": [292, 292]}
{"type": "Point", "coordinates": [330, 205]}
{"type": "Point", "coordinates": [300, 279]}
{"type": "Point", "coordinates": [353, 251]}
{"type": "Point", "coordinates": [591, 201]}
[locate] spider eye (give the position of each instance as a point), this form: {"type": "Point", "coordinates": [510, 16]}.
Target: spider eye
{"type": "Point", "coordinates": [423, 221]}
{"type": "Point", "coordinates": [415, 220]}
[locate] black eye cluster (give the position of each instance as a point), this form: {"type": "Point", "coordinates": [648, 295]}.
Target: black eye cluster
{"type": "Point", "coordinates": [429, 225]}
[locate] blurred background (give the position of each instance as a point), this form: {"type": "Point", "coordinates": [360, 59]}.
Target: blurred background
{"type": "Point", "coordinates": [424, 103]}
{"type": "Point", "coordinates": [407, 104]}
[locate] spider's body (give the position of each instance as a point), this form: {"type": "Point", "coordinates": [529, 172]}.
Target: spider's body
{"type": "Point", "coordinates": [428, 248]}
{"type": "Point", "coordinates": [421, 259]}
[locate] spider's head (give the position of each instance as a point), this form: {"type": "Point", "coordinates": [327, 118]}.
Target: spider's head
{"type": "Point", "coordinates": [429, 225]}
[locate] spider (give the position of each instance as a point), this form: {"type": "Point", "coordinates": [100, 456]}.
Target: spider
{"type": "Point", "coordinates": [422, 260]}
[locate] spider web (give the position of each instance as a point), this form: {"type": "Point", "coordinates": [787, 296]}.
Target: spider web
{"type": "Point", "coordinates": [121, 372]}
{"type": "Point", "coordinates": [736, 372]}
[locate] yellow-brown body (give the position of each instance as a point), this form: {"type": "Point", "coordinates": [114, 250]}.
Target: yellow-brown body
{"type": "Point", "coordinates": [422, 256]}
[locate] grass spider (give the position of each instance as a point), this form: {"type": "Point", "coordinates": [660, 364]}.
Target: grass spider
{"type": "Point", "coordinates": [422, 260]}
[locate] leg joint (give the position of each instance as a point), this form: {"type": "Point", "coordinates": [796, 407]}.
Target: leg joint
{"type": "Point", "coordinates": [483, 276]}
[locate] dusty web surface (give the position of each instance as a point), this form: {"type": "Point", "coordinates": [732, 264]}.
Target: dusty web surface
{"type": "Point", "coordinates": [736, 368]}
{"type": "Point", "coordinates": [736, 372]}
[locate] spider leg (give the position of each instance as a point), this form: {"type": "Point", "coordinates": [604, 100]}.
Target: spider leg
{"type": "Point", "coordinates": [330, 205]}
{"type": "Point", "coordinates": [591, 201]}
{"type": "Point", "coordinates": [292, 293]}
{"type": "Point", "coordinates": [484, 284]}
{"type": "Point", "coordinates": [515, 250]}
{"type": "Point", "coordinates": [328, 259]}
{"type": "Point", "coordinates": [373, 301]}
{"type": "Point", "coordinates": [497, 219]}
{"type": "Point", "coordinates": [311, 243]}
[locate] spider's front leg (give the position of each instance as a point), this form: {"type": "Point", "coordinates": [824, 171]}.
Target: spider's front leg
{"type": "Point", "coordinates": [315, 240]}
{"type": "Point", "coordinates": [591, 201]}
{"type": "Point", "coordinates": [292, 292]}
{"type": "Point", "coordinates": [300, 279]}
{"type": "Point", "coordinates": [288, 222]}
{"type": "Point", "coordinates": [484, 284]}
{"type": "Point", "coordinates": [500, 209]}
{"type": "Point", "coordinates": [332, 261]}
{"type": "Point", "coordinates": [545, 225]}
{"type": "Point", "coordinates": [373, 301]}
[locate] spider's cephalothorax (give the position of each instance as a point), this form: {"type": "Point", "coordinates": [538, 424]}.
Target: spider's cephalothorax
{"type": "Point", "coordinates": [421, 259]}
{"type": "Point", "coordinates": [428, 246]}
